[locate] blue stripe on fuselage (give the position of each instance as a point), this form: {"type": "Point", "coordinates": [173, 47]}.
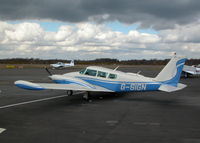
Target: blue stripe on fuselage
{"type": "Point", "coordinates": [122, 86]}
{"type": "Point", "coordinates": [116, 86]}
{"type": "Point", "coordinates": [70, 81]}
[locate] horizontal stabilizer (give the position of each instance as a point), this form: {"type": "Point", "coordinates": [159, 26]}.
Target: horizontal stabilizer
{"type": "Point", "coordinates": [169, 88]}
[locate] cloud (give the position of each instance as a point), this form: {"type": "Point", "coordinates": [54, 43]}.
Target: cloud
{"type": "Point", "coordinates": [158, 14]}
{"type": "Point", "coordinates": [25, 32]}
{"type": "Point", "coordinates": [185, 34]}
{"type": "Point", "coordinates": [30, 40]}
{"type": "Point", "coordinates": [91, 41]}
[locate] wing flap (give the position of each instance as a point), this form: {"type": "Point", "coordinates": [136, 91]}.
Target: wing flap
{"type": "Point", "coordinates": [169, 88]}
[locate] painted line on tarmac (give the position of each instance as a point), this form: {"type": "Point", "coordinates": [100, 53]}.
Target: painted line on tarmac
{"type": "Point", "coordinates": [2, 130]}
{"type": "Point", "coordinates": [147, 123]}
{"type": "Point", "coordinates": [34, 101]}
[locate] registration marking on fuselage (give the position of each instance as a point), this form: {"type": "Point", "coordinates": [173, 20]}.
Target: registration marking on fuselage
{"type": "Point", "coordinates": [133, 86]}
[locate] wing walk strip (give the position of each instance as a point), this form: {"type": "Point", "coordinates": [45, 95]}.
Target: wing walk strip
{"type": "Point", "coordinates": [34, 101]}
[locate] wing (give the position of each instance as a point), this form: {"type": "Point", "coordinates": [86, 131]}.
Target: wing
{"type": "Point", "coordinates": [71, 86]}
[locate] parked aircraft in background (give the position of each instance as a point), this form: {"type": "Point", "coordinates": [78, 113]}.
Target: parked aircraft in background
{"type": "Point", "coordinates": [191, 70]}
{"type": "Point", "coordinates": [99, 79]}
{"type": "Point", "coordinates": [60, 65]}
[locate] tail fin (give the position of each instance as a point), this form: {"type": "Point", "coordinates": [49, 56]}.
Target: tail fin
{"type": "Point", "coordinates": [72, 62]}
{"type": "Point", "coordinates": [171, 73]}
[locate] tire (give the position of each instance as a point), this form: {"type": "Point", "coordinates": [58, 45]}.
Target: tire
{"type": "Point", "coordinates": [69, 92]}
{"type": "Point", "coordinates": [186, 75]}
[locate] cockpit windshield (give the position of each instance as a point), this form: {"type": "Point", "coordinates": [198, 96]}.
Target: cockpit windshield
{"type": "Point", "coordinates": [82, 71]}
{"type": "Point", "coordinates": [101, 74]}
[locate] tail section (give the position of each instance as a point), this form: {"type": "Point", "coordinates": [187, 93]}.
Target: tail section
{"type": "Point", "coordinates": [72, 63]}
{"type": "Point", "coordinates": [171, 73]}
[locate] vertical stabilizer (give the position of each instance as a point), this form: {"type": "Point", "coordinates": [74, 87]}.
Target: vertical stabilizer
{"type": "Point", "coordinates": [72, 63]}
{"type": "Point", "coordinates": [171, 73]}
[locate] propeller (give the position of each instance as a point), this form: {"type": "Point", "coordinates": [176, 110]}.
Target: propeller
{"type": "Point", "coordinates": [48, 71]}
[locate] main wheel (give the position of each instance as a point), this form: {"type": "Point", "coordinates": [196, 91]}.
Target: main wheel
{"type": "Point", "coordinates": [186, 75]}
{"type": "Point", "coordinates": [69, 92]}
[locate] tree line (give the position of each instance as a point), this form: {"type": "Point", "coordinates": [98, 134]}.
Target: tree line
{"type": "Point", "coordinates": [100, 61]}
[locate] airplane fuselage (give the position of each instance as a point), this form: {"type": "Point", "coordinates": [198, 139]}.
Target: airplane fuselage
{"type": "Point", "coordinates": [62, 65]}
{"type": "Point", "coordinates": [124, 83]}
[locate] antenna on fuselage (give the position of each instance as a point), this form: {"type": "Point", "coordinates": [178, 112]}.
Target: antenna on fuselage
{"type": "Point", "coordinates": [138, 72]}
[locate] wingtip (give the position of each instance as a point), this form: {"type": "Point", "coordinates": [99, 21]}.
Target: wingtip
{"type": "Point", "coordinates": [28, 85]}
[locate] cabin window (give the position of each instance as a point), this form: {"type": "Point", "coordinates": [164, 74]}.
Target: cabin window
{"type": "Point", "coordinates": [91, 72]}
{"type": "Point", "coordinates": [82, 71]}
{"type": "Point", "coordinates": [102, 74]}
{"type": "Point", "coordinates": [112, 76]}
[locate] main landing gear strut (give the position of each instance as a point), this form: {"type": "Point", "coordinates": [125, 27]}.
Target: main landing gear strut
{"type": "Point", "coordinates": [87, 96]}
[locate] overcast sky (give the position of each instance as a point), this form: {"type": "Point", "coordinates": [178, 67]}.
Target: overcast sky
{"type": "Point", "coordinates": [89, 29]}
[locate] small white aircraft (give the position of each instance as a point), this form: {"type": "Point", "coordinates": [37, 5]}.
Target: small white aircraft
{"type": "Point", "coordinates": [99, 79]}
{"type": "Point", "coordinates": [62, 65]}
{"type": "Point", "coordinates": [191, 70]}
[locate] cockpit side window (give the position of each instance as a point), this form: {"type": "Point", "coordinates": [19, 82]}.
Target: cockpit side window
{"type": "Point", "coordinates": [91, 72]}
{"type": "Point", "coordinates": [112, 76]}
{"type": "Point", "coordinates": [102, 74]}
{"type": "Point", "coordinates": [82, 71]}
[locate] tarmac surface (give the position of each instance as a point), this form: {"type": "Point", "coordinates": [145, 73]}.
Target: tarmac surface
{"type": "Point", "coordinates": [50, 116]}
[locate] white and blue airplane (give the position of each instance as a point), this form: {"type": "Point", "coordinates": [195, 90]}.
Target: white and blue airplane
{"type": "Point", "coordinates": [191, 70]}
{"type": "Point", "coordinates": [99, 79]}
{"type": "Point", "coordinates": [62, 65]}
